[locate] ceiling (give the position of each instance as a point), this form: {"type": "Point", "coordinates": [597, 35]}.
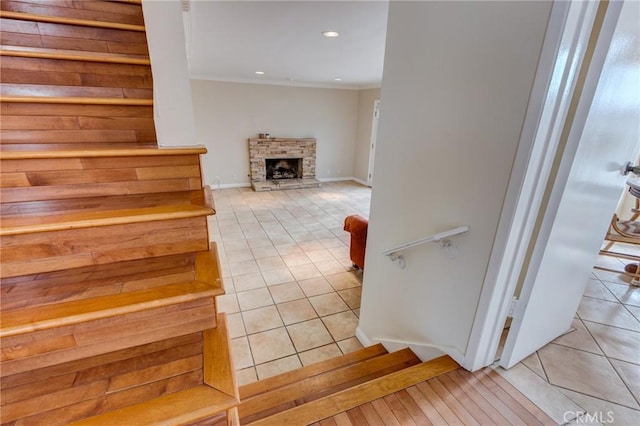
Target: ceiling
{"type": "Point", "coordinates": [231, 40]}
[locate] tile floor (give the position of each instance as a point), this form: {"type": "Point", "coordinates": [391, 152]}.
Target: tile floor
{"type": "Point", "coordinates": [597, 363]}
{"type": "Point", "coordinates": [293, 299]}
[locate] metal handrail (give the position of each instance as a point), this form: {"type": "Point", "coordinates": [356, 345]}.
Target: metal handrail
{"type": "Point", "coordinates": [441, 237]}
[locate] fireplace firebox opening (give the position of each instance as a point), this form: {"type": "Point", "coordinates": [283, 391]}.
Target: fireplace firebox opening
{"type": "Point", "coordinates": [283, 168]}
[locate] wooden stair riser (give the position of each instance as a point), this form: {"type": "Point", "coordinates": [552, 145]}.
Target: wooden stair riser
{"type": "Point", "coordinates": [18, 32]}
{"type": "Point", "coordinates": [72, 178]}
{"type": "Point", "coordinates": [53, 72]}
{"type": "Point", "coordinates": [52, 251]}
{"type": "Point", "coordinates": [82, 388]}
{"type": "Point", "coordinates": [59, 345]}
{"type": "Point", "coordinates": [88, 282]}
{"type": "Point", "coordinates": [89, 10]}
{"type": "Point", "coordinates": [133, 123]}
{"type": "Point", "coordinates": [217, 394]}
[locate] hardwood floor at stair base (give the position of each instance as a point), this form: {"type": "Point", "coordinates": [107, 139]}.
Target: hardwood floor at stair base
{"type": "Point", "coordinates": [427, 403]}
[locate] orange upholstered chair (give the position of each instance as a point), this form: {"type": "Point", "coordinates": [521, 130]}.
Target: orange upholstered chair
{"type": "Point", "coordinates": [357, 227]}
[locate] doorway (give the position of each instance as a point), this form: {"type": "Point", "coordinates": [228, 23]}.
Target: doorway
{"type": "Point", "coordinates": [570, 167]}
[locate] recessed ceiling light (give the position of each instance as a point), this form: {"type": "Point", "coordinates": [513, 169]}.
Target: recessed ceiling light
{"type": "Point", "coordinates": [260, 72]}
{"type": "Point", "coordinates": [338, 79]}
{"type": "Point", "coordinates": [330, 33]}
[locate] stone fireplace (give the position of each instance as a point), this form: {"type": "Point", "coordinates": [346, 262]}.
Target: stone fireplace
{"type": "Point", "coordinates": [282, 163]}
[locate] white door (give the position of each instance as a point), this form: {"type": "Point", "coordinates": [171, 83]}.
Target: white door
{"type": "Point", "coordinates": [374, 136]}
{"type": "Point", "coordinates": [602, 133]}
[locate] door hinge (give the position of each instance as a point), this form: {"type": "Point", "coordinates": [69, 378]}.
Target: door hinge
{"type": "Point", "coordinates": [512, 306]}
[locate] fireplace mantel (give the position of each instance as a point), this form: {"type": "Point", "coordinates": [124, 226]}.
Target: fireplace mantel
{"type": "Point", "coordinates": [263, 149]}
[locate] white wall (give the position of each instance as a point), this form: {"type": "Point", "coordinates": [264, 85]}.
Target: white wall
{"type": "Point", "coordinates": [456, 84]}
{"type": "Point", "coordinates": [363, 136]}
{"type": "Point", "coordinates": [173, 111]}
{"type": "Point", "coordinates": [227, 114]}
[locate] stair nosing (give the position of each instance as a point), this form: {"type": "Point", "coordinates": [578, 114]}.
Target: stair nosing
{"type": "Point", "coordinates": [93, 153]}
{"type": "Point", "coordinates": [93, 219]}
{"type": "Point", "coordinates": [76, 100]}
{"type": "Point", "coordinates": [70, 21]}
{"type": "Point", "coordinates": [72, 55]}
{"type": "Point", "coordinates": [49, 320]}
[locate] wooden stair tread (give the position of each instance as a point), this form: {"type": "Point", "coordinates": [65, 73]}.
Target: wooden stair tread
{"type": "Point", "coordinates": [315, 387]}
{"type": "Point", "coordinates": [271, 383]}
{"type": "Point", "coordinates": [93, 153]}
{"type": "Point", "coordinates": [56, 315]}
{"type": "Point", "coordinates": [177, 408]}
{"type": "Point", "coordinates": [77, 100]}
{"type": "Point", "coordinates": [73, 55]}
{"type": "Point", "coordinates": [32, 224]}
{"type": "Point", "coordinates": [70, 21]}
{"type": "Point", "coordinates": [354, 396]}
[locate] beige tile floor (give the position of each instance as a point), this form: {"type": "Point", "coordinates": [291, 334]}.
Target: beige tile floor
{"type": "Point", "coordinates": [596, 364]}
{"type": "Point", "coordinates": [292, 297]}
{"type": "Point", "coordinates": [293, 300]}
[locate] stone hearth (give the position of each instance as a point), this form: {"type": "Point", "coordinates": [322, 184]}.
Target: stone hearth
{"type": "Point", "coordinates": [284, 148]}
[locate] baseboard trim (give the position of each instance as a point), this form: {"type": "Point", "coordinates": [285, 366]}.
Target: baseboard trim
{"type": "Point", "coordinates": [360, 181]}
{"type": "Point", "coordinates": [343, 179]}
{"type": "Point", "coordinates": [231, 185]}
{"type": "Point", "coordinates": [362, 337]}
{"type": "Point", "coordinates": [334, 179]}
{"type": "Point", "coordinates": [215, 186]}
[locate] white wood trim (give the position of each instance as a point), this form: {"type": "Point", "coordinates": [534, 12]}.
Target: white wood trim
{"type": "Point", "coordinates": [360, 181]}
{"type": "Point", "coordinates": [336, 179]}
{"type": "Point", "coordinates": [232, 185]}
{"type": "Point", "coordinates": [562, 54]}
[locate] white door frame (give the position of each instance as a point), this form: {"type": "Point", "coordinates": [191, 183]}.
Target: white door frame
{"type": "Point", "coordinates": [373, 142]}
{"type": "Point", "coordinates": [562, 55]}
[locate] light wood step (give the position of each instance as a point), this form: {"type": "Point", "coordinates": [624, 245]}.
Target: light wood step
{"type": "Point", "coordinates": [96, 153]}
{"type": "Point", "coordinates": [272, 383]}
{"type": "Point", "coordinates": [315, 387]}
{"type": "Point", "coordinates": [69, 313]}
{"type": "Point", "coordinates": [50, 223]}
{"type": "Point", "coordinates": [90, 10]}
{"type": "Point", "coordinates": [357, 395]}
{"type": "Point", "coordinates": [69, 21]}
{"type": "Point", "coordinates": [216, 398]}
{"type": "Point", "coordinates": [76, 100]}
{"type": "Point", "coordinates": [173, 409]}
{"type": "Point", "coordinates": [73, 55]}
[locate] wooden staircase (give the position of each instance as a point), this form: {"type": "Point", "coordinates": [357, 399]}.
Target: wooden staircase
{"type": "Point", "coordinates": [322, 390]}
{"type": "Point", "coordinates": [108, 278]}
